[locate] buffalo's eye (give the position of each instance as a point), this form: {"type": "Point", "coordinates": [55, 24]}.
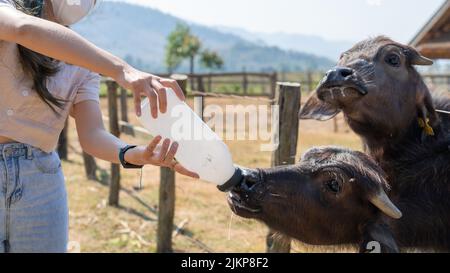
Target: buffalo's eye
{"type": "Point", "coordinates": [393, 60]}
{"type": "Point", "coordinates": [333, 186]}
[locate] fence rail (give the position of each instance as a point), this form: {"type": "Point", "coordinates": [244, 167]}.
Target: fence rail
{"type": "Point", "coordinates": [438, 82]}
{"type": "Point", "coordinates": [287, 96]}
{"type": "Point", "coordinates": [242, 83]}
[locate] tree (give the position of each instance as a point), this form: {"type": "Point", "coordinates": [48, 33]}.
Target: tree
{"type": "Point", "coordinates": [211, 60]}
{"type": "Point", "coordinates": [181, 44]}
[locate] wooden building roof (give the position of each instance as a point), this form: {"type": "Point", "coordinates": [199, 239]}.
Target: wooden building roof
{"type": "Point", "coordinates": [433, 40]}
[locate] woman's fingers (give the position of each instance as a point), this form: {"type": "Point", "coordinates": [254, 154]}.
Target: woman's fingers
{"type": "Point", "coordinates": [174, 86]}
{"type": "Point", "coordinates": [154, 88]}
{"type": "Point", "coordinates": [150, 150]}
{"type": "Point", "coordinates": [150, 93]}
{"type": "Point", "coordinates": [170, 162]}
{"type": "Point", "coordinates": [153, 98]}
{"type": "Point", "coordinates": [166, 156]}
{"type": "Point", "coordinates": [162, 96]}
{"type": "Point", "coordinates": [137, 103]}
{"type": "Point", "coordinates": [170, 157]}
{"type": "Point", "coordinates": [163, 151]}
{"type": "Point", "coordinates": [182, 170]}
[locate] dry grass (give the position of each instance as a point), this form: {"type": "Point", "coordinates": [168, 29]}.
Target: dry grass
{"type": "Point", "coordinates": [209, 224]}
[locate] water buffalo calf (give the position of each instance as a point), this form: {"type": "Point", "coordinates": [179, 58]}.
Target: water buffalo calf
{"type": "Point", "coordinates": [335, 196]}
{"type": "Point", "coordinates": [386, 102]}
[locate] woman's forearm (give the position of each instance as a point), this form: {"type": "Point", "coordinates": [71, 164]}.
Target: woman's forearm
{"type": "Point", "coordinates": [103, 145]}
{"type": "Point", "coordinates": [59, 42]}
{"type": "Point", "coordinates": [95, 140]}
{"type": "Point", "coordinates": [63, 44]}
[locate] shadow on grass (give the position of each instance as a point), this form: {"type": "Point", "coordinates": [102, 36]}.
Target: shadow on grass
{"type": "Point", "coordinates": [136, 213]}
{"type": "Point", "coordinates": [103, 179]}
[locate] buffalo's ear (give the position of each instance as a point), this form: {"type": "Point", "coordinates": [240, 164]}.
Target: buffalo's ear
{"type": "Point", "coordinates": [318, 110]}
{"type": "Point", "coordinates": [415, 58]}
{"type": "Point", "coordinates": [377, 238]}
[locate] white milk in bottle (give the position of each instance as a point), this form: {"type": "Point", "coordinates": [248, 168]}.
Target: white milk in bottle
{"type": "Point", "coordinates": [200, 149]}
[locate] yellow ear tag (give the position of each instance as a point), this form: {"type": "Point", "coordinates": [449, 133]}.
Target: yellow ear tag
{"type": "Point", "coordinates": [426, 126]}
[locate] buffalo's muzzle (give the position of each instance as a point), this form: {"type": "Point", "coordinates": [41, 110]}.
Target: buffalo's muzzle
{"type": "Point", "coordinates": [245, 197]}
{"type": "Point", "coordinates": [340, 83]}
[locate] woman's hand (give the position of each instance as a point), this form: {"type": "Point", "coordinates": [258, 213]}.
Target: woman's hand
{"type": "Point", "coordinates": [153, 154]}
{"type": "Point", "coordinates": [151, 86]}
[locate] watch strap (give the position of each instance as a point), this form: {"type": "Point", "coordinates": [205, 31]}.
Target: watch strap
{"type": "Point", "coordinates": [125, 164]}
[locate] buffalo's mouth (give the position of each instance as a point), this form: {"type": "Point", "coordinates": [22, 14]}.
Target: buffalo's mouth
{"type": "Point", "coordinates": [245, 200]}
{"type": "Point", "coordinates": [336, 91]}
{"type": "Point", "coordinates": [240, 206]}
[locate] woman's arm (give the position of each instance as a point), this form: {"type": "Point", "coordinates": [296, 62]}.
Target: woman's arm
{"type": "Point", "coordinates": [63, 44]}
{"type": "Point", "coordinates": [96, 141]}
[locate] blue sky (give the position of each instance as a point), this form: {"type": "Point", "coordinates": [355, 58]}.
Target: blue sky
{"type": "Point", "coordinates": [351, 20]}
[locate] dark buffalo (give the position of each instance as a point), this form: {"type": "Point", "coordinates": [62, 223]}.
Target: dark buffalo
{"type": "Point", "coordinates": [333, 196]}
{"type": "Point", "coordinates": [386, 102]}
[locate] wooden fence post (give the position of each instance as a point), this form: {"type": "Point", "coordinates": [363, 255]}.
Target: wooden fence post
{"type": "Point", "coordinates": [63, 142]}
{"type": "Point", "coordinates": [199, 105]}
{"type": "Point", "coordinates": [200, 85]}
{"type": "Point", "coordinates": [209, 82]}
{"type": "Point", "coordinates": [166, 210]}
{"type": "Point", "coordinates": [90, 166]}
{"type": "Point", "coordinates": [123, 105]}
{"type": "Point", "coordinates": [288, 99]}
{"type": "Point", "coordinates": [245, 83]}
{"type": "Point", "coordinates": [309, 79]}
{"type": "Point", "coordinates": [114, 128]}
{"type": "Point", "coordinates": [273, 85]}
{"type": "Point", "coordinates": [182, 81]}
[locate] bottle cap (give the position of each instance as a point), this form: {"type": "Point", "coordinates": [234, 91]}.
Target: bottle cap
{"type": "Point", "coordinates": [235, 180]}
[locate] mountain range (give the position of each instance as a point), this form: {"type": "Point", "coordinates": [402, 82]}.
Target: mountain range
{"type": "Point", "coordinates": [138, 34]}
{"type": "Point", "coordinates": [311, 44]}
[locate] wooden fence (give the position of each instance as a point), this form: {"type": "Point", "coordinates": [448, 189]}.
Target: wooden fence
{"type": "Point", "coordinates": [288, 98]}
{"type": "Point", "coordinates": [286, 95]}
{"type": "Point", "coordinates": [438, 82]}
{"type": "Point", "coordinates": [242, 83]}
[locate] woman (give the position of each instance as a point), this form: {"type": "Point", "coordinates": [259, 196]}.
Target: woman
{"type": "Point", "coordinates": [38, 93]}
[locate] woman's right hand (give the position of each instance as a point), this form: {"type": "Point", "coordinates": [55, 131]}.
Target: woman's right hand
{"type": "Point", "coordinates": [158, 155]}
{"type": "Point", "coordinates": [150, 86]}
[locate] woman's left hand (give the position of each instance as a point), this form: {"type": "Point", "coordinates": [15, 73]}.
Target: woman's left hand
{"type": "Point", "coordinates": [150, 86]}
{"type": "Point", "coordinates": [163, 156]}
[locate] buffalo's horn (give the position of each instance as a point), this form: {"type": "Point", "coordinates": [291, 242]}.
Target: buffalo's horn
{"type": "Point", "coordinates": [383, 202]}
{"type": "Point", "coordinates": [421, 60]}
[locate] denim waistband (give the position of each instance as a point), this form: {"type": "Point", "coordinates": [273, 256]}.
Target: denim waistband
{"type": "Point", "coordinates": [8, 150]}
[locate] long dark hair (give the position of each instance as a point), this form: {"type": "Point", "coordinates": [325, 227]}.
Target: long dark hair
{"type": "Point", "coordinates": [35, 65]}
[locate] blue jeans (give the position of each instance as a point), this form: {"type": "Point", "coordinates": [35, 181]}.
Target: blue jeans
{"type": "Point", "coordinates": [33, 201]}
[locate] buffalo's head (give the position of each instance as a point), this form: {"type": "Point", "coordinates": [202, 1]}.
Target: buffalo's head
{"type": "Point", "coordinates": [333, 196]}
{"type": "Point", "coordinates": [377, 87]}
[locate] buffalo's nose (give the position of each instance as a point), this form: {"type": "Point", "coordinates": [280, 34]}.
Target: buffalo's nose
{"type": "Point", "coordinates": [338, 74]}
{"type": "Point", "coordinates": [251, 177]}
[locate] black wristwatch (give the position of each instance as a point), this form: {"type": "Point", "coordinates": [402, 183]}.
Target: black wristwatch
{"type": "Point", "coordinates": [125, 164]}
